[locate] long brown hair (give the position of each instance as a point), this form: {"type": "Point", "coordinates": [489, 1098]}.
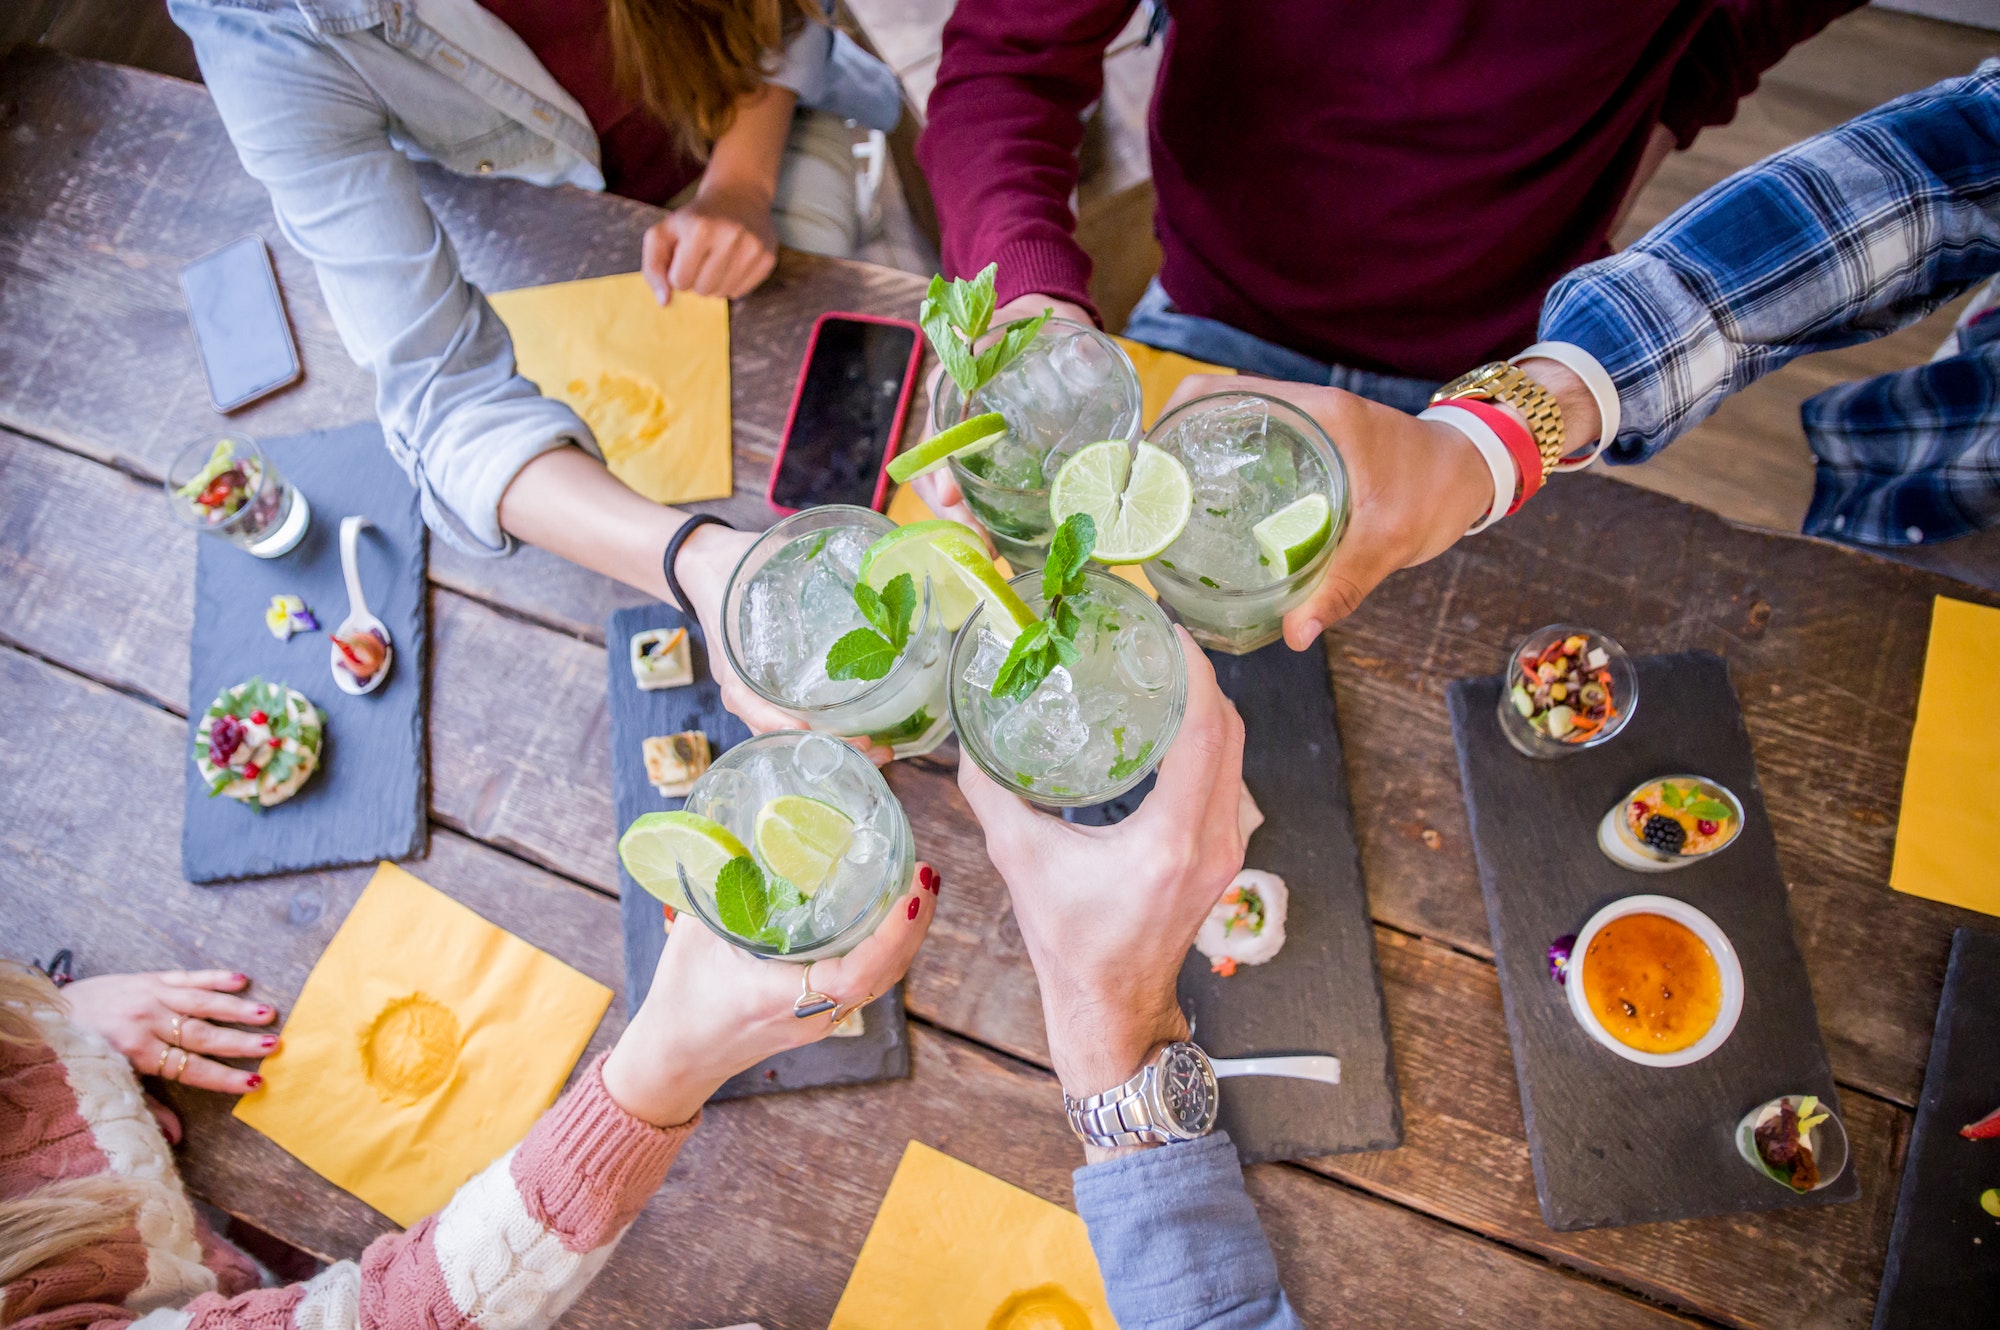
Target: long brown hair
{"type": "Point", "coordinates": [690, 61]}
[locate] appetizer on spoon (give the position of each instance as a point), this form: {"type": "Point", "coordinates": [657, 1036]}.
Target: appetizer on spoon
{"type": "Point", "coordinates": [361, 647]}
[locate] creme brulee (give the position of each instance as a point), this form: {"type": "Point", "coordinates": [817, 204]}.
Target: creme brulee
{"type": "Point", "coordinates": [1652, 983]}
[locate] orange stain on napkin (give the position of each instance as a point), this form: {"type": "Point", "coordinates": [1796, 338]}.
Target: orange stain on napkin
{"type": "Point", "coordinates": [651, 381]}
{"type": "Point", "coordinates": [1948, 834]}
{"type": "Point", "coordinates": [424, 1044]}
{"type": "Point", "coordinates": [953, 1248]}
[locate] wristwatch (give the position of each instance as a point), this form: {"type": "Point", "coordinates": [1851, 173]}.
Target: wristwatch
{"type": "Point", "coordinates": [1498, 381]}
{"type": "Point", "coordinates": [1172, 1098]}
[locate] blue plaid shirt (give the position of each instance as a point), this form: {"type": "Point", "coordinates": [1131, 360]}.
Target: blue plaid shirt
{"type": "Point", "coordinates": [1846, 237]}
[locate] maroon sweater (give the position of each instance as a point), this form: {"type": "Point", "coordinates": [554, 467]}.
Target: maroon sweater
{"type": "Point", "coordinates": [1391, 186]}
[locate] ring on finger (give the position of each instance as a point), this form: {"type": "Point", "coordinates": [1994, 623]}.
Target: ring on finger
{"type": "Point", "coordinates": [842, 1013]}
{"type": "Point", "coordinates": [811, 1002]}
{"type": "Point", "coordinates": [160, 1067]}
{"type": "Point", "coordinates": [177, 1072]}
{"type": "Point", "coordinates": [174, 1038]}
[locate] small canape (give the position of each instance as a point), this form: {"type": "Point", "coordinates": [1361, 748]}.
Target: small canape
{"type": "Point", "coordinates": [286, 615]}
{"type": "Point", "coordinates": [661, 658]}
{"type": "Point", "coordinates": [1247, 926]}
{"type": "Point", "coordinates": [258, 743]}
{"type": "Point", "coordinates": [674, 762]}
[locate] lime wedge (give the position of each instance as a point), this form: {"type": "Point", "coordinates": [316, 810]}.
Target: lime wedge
{"type": "Point", "coordinates": [801, 839]}
{"type": "Point", "coordinates": [961, 575]}
{"type": "Point", "coordinates": [1140, 502]}
{"type": "Point", "coordinates": [1291, 536]}
{"type": "Point", "coordinates": [658, 847]}
{"type": "Point", "coordinates": [965, 439]}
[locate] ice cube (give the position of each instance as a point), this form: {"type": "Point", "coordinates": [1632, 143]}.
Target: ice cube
{"type": "Point", "coordinates": [844, 549]}
{"type": "Point", "coordinates": [773, 637]}
{"type": "Point", "coordinates": [1045, 731]}
{"type": "Point", "coordinates": [1145, 657]}
{"type": "Point", "coordinates": [984, 667]}
{"type": "Point", "coordinates": [1083, 362]}
{"type": "Point", "coordinates": [867, 846]}
{"type": "Point", "coordinates": [727, 796]}
{"type": "Point", "coordinates": [816, 757]}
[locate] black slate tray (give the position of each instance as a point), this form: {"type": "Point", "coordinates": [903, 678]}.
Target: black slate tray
{"type": "Point", "coordinates": [368, 799]}
{"type": "Point", "coordinates": [882, 1051]}
{"type": "Point", "coordinates": [1323, 992]}
{"type": "Point", "coordinates": [1614, 1142]}
{"type": "Point", "coordinates": [1943, 1271]}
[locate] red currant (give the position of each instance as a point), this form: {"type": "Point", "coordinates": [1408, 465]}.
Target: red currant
{"type": "Point", "coordinates": [250, 772]}
{"type": "Point", "coordinates": [1705, 827]}
{"type": "Point", "coordinates": [258, 718]}
{"type": "Point", "coordinates": [1639, 807]}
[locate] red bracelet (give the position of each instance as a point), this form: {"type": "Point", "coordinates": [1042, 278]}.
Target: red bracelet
{"type": "Point", "coordinates": [1520, 444]}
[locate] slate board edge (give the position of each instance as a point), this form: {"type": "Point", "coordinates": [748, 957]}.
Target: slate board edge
{"type": "Point", "coordinates": [1843, 1191]}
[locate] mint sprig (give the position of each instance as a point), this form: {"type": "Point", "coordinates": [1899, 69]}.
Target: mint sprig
{"type": "Point", "coordinates": [868, 653]}
{"type": "Point", "coordinates": [1052, 640]}
{"type": "Point", "coordinates": [955, 315]}
{"type": "Point", "coordinates": [745, 901]}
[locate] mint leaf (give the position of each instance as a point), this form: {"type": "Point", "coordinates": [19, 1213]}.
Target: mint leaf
{"type": "Point", "coordinates": [870, 605]}
{"type": "Point", "coordinates": [1673, 796]}
{"type": "Point", "coordinates": [1026, 664]}
{"type": "Point", "coordinates": [1012, 343]}
{"type": "Point", "coordinates": [861, 654]}
{"type": "Point", "coordinates": [784, 894]}
{"type": "Point", "coordinates": [954, 315]}
{"type": "Point", "coordinates": [899, 605]}
{"type": "Point", "coordinates": [1711, 809]}
{"type": "Point", "coordinates": [774, 936]}
{"type": "Point", "coordinates": [1069, 551]}
{"type": "Point", "coordinates": [740, 897]}
{"type": "Point", "coordinates": [1125, 766]}
{"type": "Point", "coordinates": [1065, 650]}
{"type": "Point", "coordinates": [909, 727]}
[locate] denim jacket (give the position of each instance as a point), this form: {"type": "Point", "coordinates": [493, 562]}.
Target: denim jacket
{"type": "Point", "coordinates": [330, 102]}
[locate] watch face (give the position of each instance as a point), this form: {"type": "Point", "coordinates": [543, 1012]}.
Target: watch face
{"type": "Point", "coordinates": [1187, 1090]}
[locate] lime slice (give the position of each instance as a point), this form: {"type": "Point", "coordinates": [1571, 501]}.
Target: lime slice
{"type": "Point", "coordinates": [962, 577]}
{"type": "Point", "coordinates": [1140, 502]}
{"type": "Point", "coordinates": [658, 847]}
{"type": "Point", "coordinates": [1291, 536]}
{"type": "Point", "coordinates": [965, 439]}
{"type": "Point", "coordinates": [802, 839]}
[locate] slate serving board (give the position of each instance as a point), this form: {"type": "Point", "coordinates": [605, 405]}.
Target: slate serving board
{"type": "Point", "coordinates": [1614, 1142]}
{"type": "Point", "coordinates": [368, 799]}
{"type": "Point", "coordinates": [882, 1051]}
{"type": "Point", "coordinates": [1323, 992]}
{"type": "Point", "coordinates": [1943, 1271]}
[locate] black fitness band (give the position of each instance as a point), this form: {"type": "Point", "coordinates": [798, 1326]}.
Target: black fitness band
{"type": "Point", "coordinates": [688, 528]}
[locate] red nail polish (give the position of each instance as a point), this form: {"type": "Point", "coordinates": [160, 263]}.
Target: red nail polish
{"type": "Point", "coordinates": [270, 1041]}
{"type": "Point", "coordinates": [239, 978]}
{"type": "Point", "coordinates": [256, 1081]}
{"type": "Point", "coordinates": [263, 1011]}
{"type": "Point", "coordinates": [914, 905]}
{"type": "Point", "coordinates": [927, 878]}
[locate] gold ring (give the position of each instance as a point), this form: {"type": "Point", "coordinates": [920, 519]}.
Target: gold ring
{"type": "Point", "coordinates": [842, 1013]}
{"type": "Point", "coordinates": [175, 1038]}
{"type": "Point", "coordinates": [180, 1070]}
{"type": "Point", "coordinates": [811, 1002]}
{"type": "Point", "coordinates": [160, 1067]}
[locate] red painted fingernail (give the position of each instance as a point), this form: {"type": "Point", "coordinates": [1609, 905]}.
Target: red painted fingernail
{"type": "Point", "coordinates": [256, 1081]}
{"type": "Point", "coordinates": [914, 904]}
{"type": "Point", "coordinates": [239, 978]}
{"type": "Point", "coordinates": [927, 878]}
{"type": "Point", "coordinates": [263, 1011]}
{"type": "Point", "coordinates": [270, 1041]}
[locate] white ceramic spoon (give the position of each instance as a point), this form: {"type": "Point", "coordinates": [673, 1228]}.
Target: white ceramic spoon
{"type": "Point", "coordinates": [358, 619]}
{"type": "Point", "coordinates": [1309, 1067]}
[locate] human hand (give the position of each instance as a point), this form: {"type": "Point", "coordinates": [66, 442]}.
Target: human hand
{"type": "Point", "coordinates": [704, 565]}
{"type": "Point", "coordinates": [1108, 913]}
{"type": "Point", "coordinates": [137, 1014]}
{"type": "Point", "coordinates": [721, 244]}
{"type": "Point", "coordinates": [1414, 487]}
{"type": "Point", "coordinates": [715, 1010]}
{"type": "Point", "coordinates": [940, 489]}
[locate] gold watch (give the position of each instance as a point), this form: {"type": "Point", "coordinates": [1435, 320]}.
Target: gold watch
{"type": "Point", "coordinates": [1499, 381]}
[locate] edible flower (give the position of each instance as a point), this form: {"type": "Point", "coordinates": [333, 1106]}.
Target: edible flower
{"type": "Point", "coordinates": [1559, 951]}
{"type": "Point", "coordinates": [287, 615]}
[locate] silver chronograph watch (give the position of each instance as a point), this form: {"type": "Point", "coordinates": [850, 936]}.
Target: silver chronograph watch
{"type": "Point", "coordinates": [1172, 1098]}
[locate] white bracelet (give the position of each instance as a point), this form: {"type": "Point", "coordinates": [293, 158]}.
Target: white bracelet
{"type": "Point", "coordinates": [1584, 365]}
{"type": "Point", "coordinates": [1506, 476]}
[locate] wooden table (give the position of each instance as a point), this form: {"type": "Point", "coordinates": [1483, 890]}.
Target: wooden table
{"type": "Point", "coordinates": [111, 179]}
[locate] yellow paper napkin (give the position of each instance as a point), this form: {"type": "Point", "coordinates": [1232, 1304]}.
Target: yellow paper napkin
{"type": "Point", "coordinates": [1948, 835]}
{"type": "Point", "coordinates": [651, 381]}
{"type": "Point", "coordinates": [1160, 372]}
{"type": "Point", "coordinates": [953, 1248]}
{"type": "Point", "coordinates": [424, 1044]}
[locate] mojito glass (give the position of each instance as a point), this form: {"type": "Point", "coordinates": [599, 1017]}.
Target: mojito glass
{"type": "Point", "coordinates": [226, 487]}
{"type": "Point", "coordinates": [791, 598]}
{"type": "Point", "coordinates": [809, 807]}
{"type": "Point", "coordinates": [1089, 732]}
{"type": "Point", "coordinates": [1247, 457]}
{"type": "Point", "coordinates": [1072, 386]}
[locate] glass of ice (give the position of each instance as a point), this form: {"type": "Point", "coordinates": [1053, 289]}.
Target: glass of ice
{"type": "Point", "coordinates": [875, 851]}
{"type": "Point", "coordinates": [1089, 732]}
{"type": "Point", "coordinates": [1073, 386]}
{"type": "Point", "coordinates": [791, 598]}
{"type": "Point", "coordinates": [1248, 456]}
{"type": "Point", "coordinates": [226, 487]}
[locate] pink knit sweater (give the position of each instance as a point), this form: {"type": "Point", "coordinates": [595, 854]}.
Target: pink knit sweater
{"type": "Point", "coordinates": [509, 1252]}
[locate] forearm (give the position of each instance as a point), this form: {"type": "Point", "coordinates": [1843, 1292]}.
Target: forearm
{"type": "Point", "coordinates": [1844, 238]}
{"type": "Point", "coordinates": [745, 160]}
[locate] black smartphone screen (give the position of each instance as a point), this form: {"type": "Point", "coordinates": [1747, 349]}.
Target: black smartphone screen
{"type": "Point", "coordinates": [846, 415]}
{"type": "Point", "coordinates": [239, 324]}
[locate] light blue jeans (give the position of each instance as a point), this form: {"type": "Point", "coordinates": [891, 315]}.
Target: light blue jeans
{"type": "Point", "coordinates": [1156, 322]}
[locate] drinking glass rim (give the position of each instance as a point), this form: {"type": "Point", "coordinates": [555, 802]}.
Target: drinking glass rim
{"type": "Point", "coordinates": [920, 623]}
{"type": "Point", "coordinates": [1176, 711]}
{"type": "Point", "coordinates": [1337, 485]}
{"type": "Point", "coordinates": [181, 507]}
{"type": "Point", "coordinates": [902, 847]}
{"type": "Point", "coordinates": [1138, 416]}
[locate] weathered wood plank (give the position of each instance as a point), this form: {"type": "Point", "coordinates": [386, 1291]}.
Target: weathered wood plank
{"type": "Point", "coordinates": [744, 1185]}
{"type": "Point", "coordinates": [518, 761]}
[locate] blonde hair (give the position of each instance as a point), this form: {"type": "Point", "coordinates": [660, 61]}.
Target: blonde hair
{"type": "Point", "coordinates": [688, 62]}
{"type": "Point", "coordinates": [62, 1216]}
